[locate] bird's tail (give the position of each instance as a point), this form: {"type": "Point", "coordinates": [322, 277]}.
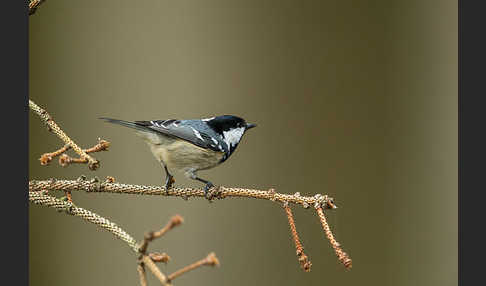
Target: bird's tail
{"type": "Point", "coordinates": [125, 123]}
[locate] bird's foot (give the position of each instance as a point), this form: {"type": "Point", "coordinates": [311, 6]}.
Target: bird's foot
{"type": "Point", "coordinates": [212, 192]}
{"type": "Point", "coordinates": [208, 195]}
{"type": "Point", "coordinates": [169, 182]}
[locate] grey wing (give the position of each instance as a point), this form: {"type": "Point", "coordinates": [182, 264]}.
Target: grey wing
{"type": "Point", "coordinates": [186, 130]}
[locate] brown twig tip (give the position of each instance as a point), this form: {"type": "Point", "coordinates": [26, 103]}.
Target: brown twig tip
{"type": "Point", "coordinates": [210, 260]}
{"type": "Point", "coordinates": [173, 222]}
{"type": "Point", "coordinates": [93, 165]}
{"type": "Point", "coordinates": [101, 146]}
{"type": "Point", "coordinates": [159, 257]}
{"type": "Point", "coordinates": [342, 256]}
{"type": "Point", "coordinates": [176, 220]}
{"type": "Point", "coordinates": [302, 258]}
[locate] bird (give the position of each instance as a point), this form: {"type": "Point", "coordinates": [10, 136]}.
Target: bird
{"type": "Point", "coordinates": [190, 145]}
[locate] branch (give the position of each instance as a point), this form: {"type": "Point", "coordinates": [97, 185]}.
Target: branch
{"type": "Point", "coordinates": [210, 260]}
{"type": "Point", "coordinates": [65, 160]}
{"type": "Point", "coordinates": [173, 222]}
{"type": "Point", "coordinates": [69, 208]}
{"type": "Point", "coordinates": [145, 259]}
{"type": "Point", "coordinates": [318, 201]}
{"type": "Point", "coordinates": [93, 164]}
{"type": "Point", "coordinates": [155, 270]}
{"type": "Point", "coordinates": [303, 259]}
{"type": "Point", "coordinates": [46, 158]}
{"type": "Point", "coordinates": [342, 256]}
{"type": "Point", "coordinates": [95, 186]}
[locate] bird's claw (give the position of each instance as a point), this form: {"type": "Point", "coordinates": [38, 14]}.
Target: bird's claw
{"type": "Point", "coordinates": [207, 194]}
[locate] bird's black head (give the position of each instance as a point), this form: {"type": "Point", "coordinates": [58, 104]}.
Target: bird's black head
{"type": "Point", "coordinates": [231, 128]}
{"type": "Point", "coordinates": [226, 123]}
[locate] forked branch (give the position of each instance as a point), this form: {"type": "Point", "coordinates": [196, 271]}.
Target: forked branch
{"type": "Point", "coordinates": [65, 160]}
{"type": "Point", "coordinates": [145, 259]}
{"type": "Point", "coordinates": [52, 126]}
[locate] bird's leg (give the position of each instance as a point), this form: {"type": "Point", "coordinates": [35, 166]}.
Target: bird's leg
{"type": "Point", "coordinates": [169, 179]}
{"type": "Point", "coordinates": [191, 173]}
{"type": "Point", "coordinates": [208, 186]}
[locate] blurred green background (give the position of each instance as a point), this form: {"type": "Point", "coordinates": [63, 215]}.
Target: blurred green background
{"type": "Point", "coordinates": [355, 99]}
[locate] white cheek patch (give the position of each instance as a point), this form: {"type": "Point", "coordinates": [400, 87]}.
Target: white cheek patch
{"type": "Point", "coordinates": [233, 136]}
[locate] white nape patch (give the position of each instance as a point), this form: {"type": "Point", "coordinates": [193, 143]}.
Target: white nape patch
{"type": "Point", "coordinates": [207, 119]}
{"type": "Point", "coordinates": [233, 136]}
{"type": "Point", "coordinates": [198, 135]}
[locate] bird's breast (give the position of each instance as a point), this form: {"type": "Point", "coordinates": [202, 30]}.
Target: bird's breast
{"type": "Point", "coordinates": [181, 155]}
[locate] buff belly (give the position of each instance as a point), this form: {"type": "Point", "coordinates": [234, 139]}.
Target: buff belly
{"type": "Point", "coordinates": [180, 155]}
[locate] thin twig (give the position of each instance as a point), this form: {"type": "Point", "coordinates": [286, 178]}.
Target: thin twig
{"type": "Point", "coordinates": [33, 5]}
{"type": "Point", "coordinates": [65, 159]}
{"type": "Point", "coordinates": [142, 275]}
{"type": "Point", "coordinates": [95, 185]}
{"type": "Point", "coordinates": [93, 164]}
{"type": "Point", "coordinates": [46, 158]}
{"type": "Point", "coordinates": [210, 260]}
{"type": "Point", "coordinates": [147, 261]}
{"type": "Point", "coordinates": [342, 256]}
{"type": "Point", "coordinates": [173, 222]}
{"type": "Point", "coordinates": [303, 259]}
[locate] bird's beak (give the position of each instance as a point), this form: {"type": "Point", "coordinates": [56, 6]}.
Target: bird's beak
{"type": "Point", "coordinates": [250, 125]}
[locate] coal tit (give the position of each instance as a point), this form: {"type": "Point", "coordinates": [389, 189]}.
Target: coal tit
{"type": "Point", "coordinates": [190, 145]}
